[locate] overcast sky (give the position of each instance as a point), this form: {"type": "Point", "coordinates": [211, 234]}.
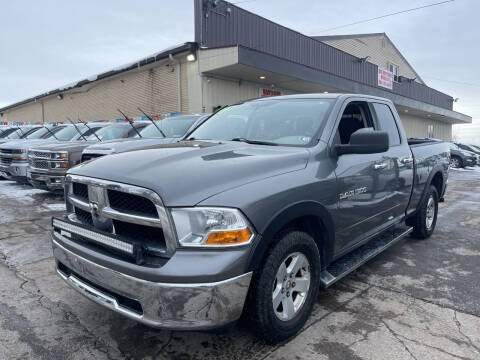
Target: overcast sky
{"type": "Point", "coordinates": [47, 44]}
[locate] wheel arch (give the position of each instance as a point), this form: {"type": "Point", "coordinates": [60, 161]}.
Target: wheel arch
{"type": "Point", "coordinates": [437, 179]}
{"type": "Point", "coordinates": [308, 216]}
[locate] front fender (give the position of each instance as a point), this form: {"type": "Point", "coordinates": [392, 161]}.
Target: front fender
{"type": "Point", "coordinates": [325, 231]}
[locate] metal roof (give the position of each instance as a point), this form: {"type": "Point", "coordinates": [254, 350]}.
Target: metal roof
{"type": "Point", "coordinates": [222, 24]}
{"type": "Point", "coordinates": [189, 46]}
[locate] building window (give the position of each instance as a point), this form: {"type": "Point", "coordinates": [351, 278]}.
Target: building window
{"type": "Point", "coordinates": [394, 71]}
{"type": "Point", "coordinates": [430, 131]}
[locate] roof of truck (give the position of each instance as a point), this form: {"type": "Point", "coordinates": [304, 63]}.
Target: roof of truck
{"type": "Point", "coordinates": [322, 96]}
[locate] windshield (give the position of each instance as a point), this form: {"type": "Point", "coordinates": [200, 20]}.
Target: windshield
{"type": "Point", "coordinates": [173, 127]}
{"type": "Point", "coordinates": [37, 134]}
{"type": "Point", "coordinates": [109, 133]}
{"type": "Point", "coordinates": [6, 132]}
{"type": "Point", "coordinates": [53, 131]}
{"type": "Point", "coordinates": [26, 132]}
{"type": "Point", "coordinates": [285, 122]}
{"type": "Point", "coordinates": [67, 133]}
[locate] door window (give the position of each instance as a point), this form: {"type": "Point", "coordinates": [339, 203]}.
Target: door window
{"type": "Point", "coordinates": [387, 123]}
{"type": "Point", "coordinates": [356, 116]}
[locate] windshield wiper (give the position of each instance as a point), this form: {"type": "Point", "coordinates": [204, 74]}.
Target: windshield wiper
{"type": "Point", "coordinates": [51, 132]}
{"type": "Point", "coordinates": [89, 128]}
{"type": "Point", "coordinates": [153, 122]}
{"type": "Point", "coordinates": [76, 128]}
{"type": "Point", "coordinates": [256, 142]}
{"type": "Point", "coordinates": [21, 131]}
{"type": "Point", "coordinates": [130, 122]}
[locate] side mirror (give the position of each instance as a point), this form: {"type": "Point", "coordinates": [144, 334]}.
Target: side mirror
{"type": "Point", "coordinates": [365, 141]}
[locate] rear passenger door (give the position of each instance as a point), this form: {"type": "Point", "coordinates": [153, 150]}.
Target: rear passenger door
{"type": "Point", "coordinates": [396, 179]}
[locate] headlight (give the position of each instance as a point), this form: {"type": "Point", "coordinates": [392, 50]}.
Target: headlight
{"type": "Point", "coordinates": [465, 153]}
{"type": "Point", "coordinates": [60, 155]}
{"type": "Point", "coordinates": [211, 227]}
{"type": "Point", "coordinates": [21, 155]}
{"type": "Point", "coordinates": [60, 165]}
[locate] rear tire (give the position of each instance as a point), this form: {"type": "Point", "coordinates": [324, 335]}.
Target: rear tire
{"type": "Point", "coordinates": [456, 162]}
{"type": "Point", "coordinates": [425, 219]}
{"type": "Point", "coordinates": [285, 287]}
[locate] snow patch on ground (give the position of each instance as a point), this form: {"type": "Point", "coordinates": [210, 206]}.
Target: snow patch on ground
{"type": "Point", "coordinates": [467, 168]}
{"type": "Point", "coordinates": [55, 207]}
{"type": "Point", "coordinates": [13, 190]}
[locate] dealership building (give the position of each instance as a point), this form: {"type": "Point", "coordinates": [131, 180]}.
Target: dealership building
{"type": "Point", "coordinates": [239, 55]}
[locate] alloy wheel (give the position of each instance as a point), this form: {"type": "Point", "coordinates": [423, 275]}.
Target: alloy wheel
{"type": "Point", "coordinates": [430, 212]}
{"type": "Point", "coordinates": [291, 285]}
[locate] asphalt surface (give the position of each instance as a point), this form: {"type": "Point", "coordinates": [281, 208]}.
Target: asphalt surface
{"type": "Point", "coordinates": [417, 300]}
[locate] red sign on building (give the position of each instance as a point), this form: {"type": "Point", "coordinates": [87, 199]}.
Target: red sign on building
{"type": "Point", "coordinates": [264, 92]}
{"type": "Point", "coordinates": [385, 78]}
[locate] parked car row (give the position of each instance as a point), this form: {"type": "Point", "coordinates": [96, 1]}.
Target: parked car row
{"type": "Point", "coordinates": [462, 155]}
{"type": "Point", "coordinates": [41, 155]}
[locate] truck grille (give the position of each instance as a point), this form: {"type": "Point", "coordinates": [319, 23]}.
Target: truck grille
{"type": "Point", "coordinates": [5, 160]}
{"type": "Point", "coordinates": [131, 203]}
{"type": "Point", "coordinates": [86, 157]}
{"type": "Point", "coordinates": [130, 214]}
{"type": "Point", "coordinates": [40, 154]}
{"type": "Point", "coordinates": [39, 164]}
{"type": "Point", "coordinates": [84, 216]}
{"type": "Point", "coordinates": [80, 190]}
{"type": "Point", "coordinates": [7, 151]}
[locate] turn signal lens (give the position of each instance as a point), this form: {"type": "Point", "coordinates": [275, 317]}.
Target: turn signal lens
{"type": "Point", "coordinates": [64, 165]}
{"type": "Point", "coordinates": [229, 237]}
{"type": "Point", "coordinates": [19, 159]}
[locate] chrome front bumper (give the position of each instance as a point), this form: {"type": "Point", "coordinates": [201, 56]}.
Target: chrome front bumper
{"type": "Point", "coordinates": [176, 306]}
{"type": "Point", "coordinates": [43, 180]}
{"type": "Point", "coordinates": [15, 171]}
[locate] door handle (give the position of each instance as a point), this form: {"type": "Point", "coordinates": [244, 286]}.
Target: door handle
{"type": "Point", "coordinates": [380, 166]}
{"type": "Point", "coordinates": [407, 160]}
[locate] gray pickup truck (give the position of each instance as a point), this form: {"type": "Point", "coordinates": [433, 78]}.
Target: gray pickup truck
{"type": "Point", "coordinates": [13, 154]}
{"type": "Point", "coordinates": [264, 203]}
{"type": "Point", "coordinates": [48, 163]}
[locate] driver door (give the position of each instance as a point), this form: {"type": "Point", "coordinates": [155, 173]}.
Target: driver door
{"type": "Point", "coordinates": [361, 201]}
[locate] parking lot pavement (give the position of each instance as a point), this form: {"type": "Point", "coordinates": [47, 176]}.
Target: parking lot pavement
{"type": "Point", "coordinates": [418, 300]}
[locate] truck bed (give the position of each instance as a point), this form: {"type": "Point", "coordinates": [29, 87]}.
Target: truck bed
{"type": "Point", "coordinates": [427, 154]}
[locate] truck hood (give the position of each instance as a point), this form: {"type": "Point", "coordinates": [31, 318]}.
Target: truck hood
{"type": "Point", "coordinates": [64, 145]}
{"type": "Point", "coordinates": [26, 144]}
{"type": "Point", "coordinates": [187, 172]}
{"type": "Point", "coordinates": [116, 146]}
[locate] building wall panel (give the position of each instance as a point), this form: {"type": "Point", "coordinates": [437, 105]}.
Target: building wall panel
{"type": "Point", "coordinates": [155, 90]}
{"type": "Point", "coordinates": [380, 50]}
{"type": "Point", "coordinates": [418, 127]}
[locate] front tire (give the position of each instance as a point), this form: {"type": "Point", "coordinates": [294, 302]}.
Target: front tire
{"type": "Point", "coordinates": [285, 287]}
{"type": "Point", "coordinates": [425, 219]}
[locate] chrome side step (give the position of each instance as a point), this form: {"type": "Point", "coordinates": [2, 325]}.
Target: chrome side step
{"type": "Point", "coordinates": [352, 261]}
